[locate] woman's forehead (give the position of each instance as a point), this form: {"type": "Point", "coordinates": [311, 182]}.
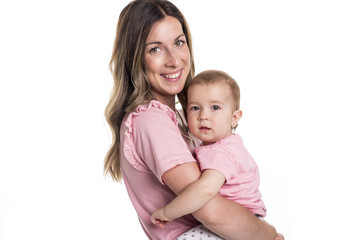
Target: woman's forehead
{"type": "Point", "coordinates": [168, 28]}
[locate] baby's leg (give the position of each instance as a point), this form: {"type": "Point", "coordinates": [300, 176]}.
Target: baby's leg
{"type": "Point", "coordinates": [199, 233]}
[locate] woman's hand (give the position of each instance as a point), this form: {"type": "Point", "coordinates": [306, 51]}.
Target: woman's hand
{"type": "Point", "coordinates": [158, 218]}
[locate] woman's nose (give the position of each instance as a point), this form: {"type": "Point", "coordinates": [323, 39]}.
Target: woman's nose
{"type": "Point", "coordinates": [172, 59]}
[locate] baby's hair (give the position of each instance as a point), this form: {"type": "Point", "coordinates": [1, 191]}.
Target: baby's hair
{"type": "Point", "coordinates": [216, 76]}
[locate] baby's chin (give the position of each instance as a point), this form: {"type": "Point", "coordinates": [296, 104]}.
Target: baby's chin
{"type": "Point", "coordinates": [207, 143]}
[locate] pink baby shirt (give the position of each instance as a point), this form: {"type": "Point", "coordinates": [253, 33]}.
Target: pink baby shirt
{"type": "Point", "coordinates": [151, 145]}
{"type": "Point", "coordinates": [230, 157]}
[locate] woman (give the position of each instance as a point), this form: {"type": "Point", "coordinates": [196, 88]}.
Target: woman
{"type": "Point", "coordinates": [152, 62]}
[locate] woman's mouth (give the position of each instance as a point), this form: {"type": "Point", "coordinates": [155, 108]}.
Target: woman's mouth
{"type": "Point", "coordinates": [172, 77]}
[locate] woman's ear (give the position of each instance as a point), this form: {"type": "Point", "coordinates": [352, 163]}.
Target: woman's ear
{"type": "Point", "coordinates": [236, 117]}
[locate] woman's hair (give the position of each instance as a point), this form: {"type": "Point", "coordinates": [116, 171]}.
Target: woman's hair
{"type": "Point", "coordinates": [127, 66]}
{"type": "Point", "coordinates": [215, 76]}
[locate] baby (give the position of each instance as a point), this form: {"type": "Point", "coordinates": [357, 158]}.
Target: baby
{"type": "Point", "coordinates": [227, 167]}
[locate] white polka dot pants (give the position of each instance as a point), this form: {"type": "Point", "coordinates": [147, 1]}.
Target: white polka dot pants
{"type": "Point", "coordinates": [199, 233]}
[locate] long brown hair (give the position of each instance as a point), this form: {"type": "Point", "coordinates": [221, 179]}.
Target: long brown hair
{"type": "Point", "coordinates": [130, 86]}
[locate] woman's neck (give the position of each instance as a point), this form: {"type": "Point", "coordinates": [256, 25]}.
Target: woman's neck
{"type": "Point", "coordinates": [167, 100]}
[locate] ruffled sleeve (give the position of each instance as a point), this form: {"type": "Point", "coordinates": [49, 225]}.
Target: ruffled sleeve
{"type": "Point", "coordinates": [153, 142]}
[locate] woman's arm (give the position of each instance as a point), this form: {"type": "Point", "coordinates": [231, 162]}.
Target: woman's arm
{"type": "Point", "coordinates": [194, 197]}
{"type": "Point", "coordinates": [226, 218]}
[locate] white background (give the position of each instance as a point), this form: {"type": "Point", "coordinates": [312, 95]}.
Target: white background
{"type": "Point", "coordinates": [297, 63]}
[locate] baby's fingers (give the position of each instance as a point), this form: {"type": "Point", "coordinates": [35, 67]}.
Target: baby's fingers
{"type": "Point", "coordinates": [153, 220]}
{"type": "Point", "coordinates": [280, 237]}
{"type": "Point", "coordinates": [160, 223]}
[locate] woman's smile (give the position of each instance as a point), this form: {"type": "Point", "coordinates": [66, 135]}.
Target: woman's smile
{"type": "Point", "coordinates": [166, 60]}
{"type": "Point", "coordinates": [173, 77]}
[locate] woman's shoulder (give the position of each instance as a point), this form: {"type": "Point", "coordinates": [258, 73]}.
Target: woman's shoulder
{"type": "Point", "coordinates": [151, 114]}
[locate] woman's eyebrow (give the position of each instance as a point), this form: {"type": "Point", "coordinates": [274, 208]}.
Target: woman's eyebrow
{"type": "Point", "coordinates": [159, 43]}
{"type": "Point", "coordinates": [180, 36]}
{"type": "Point", "coordinates": [156, 42]}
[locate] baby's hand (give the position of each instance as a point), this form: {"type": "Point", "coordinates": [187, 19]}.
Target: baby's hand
{"type": "Point", "coordinates": [158, 218]}
{"type": "Point", "coordinates": [280, 237]}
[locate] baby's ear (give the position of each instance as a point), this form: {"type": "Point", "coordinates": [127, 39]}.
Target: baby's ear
{"type": "Point", "coordinates": [236, 117]}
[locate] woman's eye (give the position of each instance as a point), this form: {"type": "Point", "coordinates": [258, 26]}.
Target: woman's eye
{"type": "Point", "coordinates": [154, 50]}
{"type": "Point", "coordinates": [179, 43]}
{"type": "Point", "coordinates": [215, 107]}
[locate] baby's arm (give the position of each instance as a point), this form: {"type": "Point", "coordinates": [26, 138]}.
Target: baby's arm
{"type": "Point", "coordinates": [194, 197]}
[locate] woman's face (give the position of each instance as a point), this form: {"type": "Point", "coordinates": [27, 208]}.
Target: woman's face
{"type": "Point", "coordinates": [167, 59]}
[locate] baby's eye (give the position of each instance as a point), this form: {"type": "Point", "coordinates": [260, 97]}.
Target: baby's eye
{"type": "Point", "coordinates": [215, 107]}
{"type": "Point", "coordinates": [194, 108]}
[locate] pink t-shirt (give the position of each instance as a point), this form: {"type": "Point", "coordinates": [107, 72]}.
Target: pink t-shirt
{"type": "Point", "coordinates": [230, 157]}
{"type": "Point", "coordinates": [151, 145]}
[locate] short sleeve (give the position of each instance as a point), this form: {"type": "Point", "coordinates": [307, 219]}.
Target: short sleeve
{"type": "Point", "coordinates": [216, 158]}
{"type": "Point", "coordinates": [153, 141]}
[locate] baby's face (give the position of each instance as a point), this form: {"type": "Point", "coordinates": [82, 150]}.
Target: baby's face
{"type": "Point", "coordinates": [211, 111]}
